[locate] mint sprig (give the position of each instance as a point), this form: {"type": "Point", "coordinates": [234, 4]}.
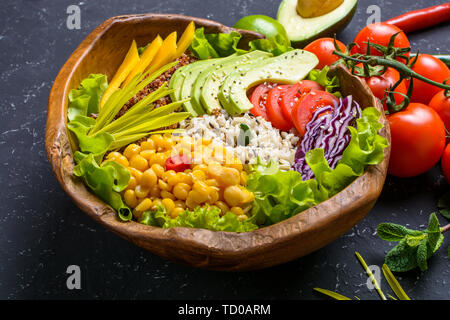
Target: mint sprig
{"type": "Point", "coordinates": [414, 247]}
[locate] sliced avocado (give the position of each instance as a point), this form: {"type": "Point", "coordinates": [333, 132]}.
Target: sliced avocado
{"type": "Point", "coordinates": [287, 68]}
{"type": "Point", "coordinates": [205, 72]}
{"type": "Point", "coordinates": [186, 87]}
{"type": "Point", "coordinates": [176, 81]}
{"type": "Point", "coordinates": [302, 31]}
{"type": "Point", "coordinates": [214, 78]}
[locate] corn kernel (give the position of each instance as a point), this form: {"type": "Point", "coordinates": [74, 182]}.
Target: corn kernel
{"type": "Point", "coordinates": [243, 178]}
{"type": "Point", "coordinates": [213, 196]}
{"type": "Point", "coordinates": [242, 217]}
{"type": "Point", "coordinates": [157, 139]}
{"type": "Point", "coordinates": [202, 167]}
{"type": "Point", "coordinates": [229, 177]}
{"type": "Point", "coordinates": [181, 190]}
{"type": "Point", "coordinates": [156, 203]}
{"type": "Point", "coordinates": [135, 173]}
{"type": "Point", "coordinates": [154, 192]}
{"type": "Point", "coordinates": [167, 194]}
{"type": "Point", "coordinates": [148, 145]}
{"type": "Point", "coordinates": [234, 163]}
{"type": "Point", "coordinates": [147, 154]}
{"type": "Point", "coordinates": [176, 212]}
{"type": "Point", "coordinates": [185, 177]}
{"type": "Point", "coordinates": [113, 155]}
{"type": "Point", "coordinates": [132, 183]}
{"type": "Point", "coordinates": [212, 182]}
{"type": "Point", "coordinates": [222, 206]}
{"type": "Point", "coordinates": [197, 196]}
{"type": "Point", "coordinates": [141, 192]}
{"type": "Point", "coordinates": [130, 198]}
{"type": "Point", "coordinates": [139, 163]}
{"type": "Point", "coordinates": [164, 185]}
{"type": "Point", "coordinates": [191, 204]}
{"type": "Point", "coordinates": [145, 205]}
{"type": "Point", "coordinates": [168, 204]}
{"type": "Point", "coordinates": [237, 211]}
{"type": "Point", "coordinates": [180, 204]}
{"type": "Point", "coordinates": [158, 169]}
{"type": "Point", "coordinates": [199, 175]}
{"type": "Point", "coordinates": [149, 178]}
{"type": "Point", "coordinates": [131, 150]}
{"type": "Point", "coordinates": [234, 196]}
{"type": "Point", "coordinates": [157, 158]}
{"type": "Point", "coordinates": [168, 174]}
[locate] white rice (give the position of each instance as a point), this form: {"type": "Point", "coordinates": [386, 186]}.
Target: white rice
{"type": "Point", "coordinates": [266, 141]}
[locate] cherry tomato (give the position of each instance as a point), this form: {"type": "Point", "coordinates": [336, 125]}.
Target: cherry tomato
{"type": "Point", "coordinates": [445, 163]}
{"type": "Point", "coordinates": [441, 104]}
{"type": "Point", "coordinates": [432, 68]}
{"type": "Point", "coordinates": [380, 84]}
{"type": "Point", "coordinates": [323, 48]}
{"type": "Point", "coordinates": [379, 33]}
{"type": "Point", "coordinates": [178, 163]}
{"type": "Point", "coordinates": [294, 93]}
{"type": "Point", "coordinates": [418, 139]}
{"type": "Point", "coordinates": [273, 109]}
{"type": "Point", "coordinates": [258, 99]}
{"type": "Point", "coordinates": [305, 107]}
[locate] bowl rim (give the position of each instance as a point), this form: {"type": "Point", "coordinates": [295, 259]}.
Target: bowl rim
{"type": "Point", "coordinates": [220, 243]}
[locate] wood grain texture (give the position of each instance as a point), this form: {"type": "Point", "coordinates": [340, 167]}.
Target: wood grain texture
{"type": "Point", "coordinates": [102, 52]}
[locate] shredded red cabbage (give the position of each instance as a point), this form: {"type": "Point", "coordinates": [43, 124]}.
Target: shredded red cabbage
{"type": "Point", "coordinates": [328, 132]}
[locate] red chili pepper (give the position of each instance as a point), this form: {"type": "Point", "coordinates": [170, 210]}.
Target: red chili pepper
{"type": "Point", "coordinates": [178, 163]}
{"type": "Point", "coordinates": [422, 18]}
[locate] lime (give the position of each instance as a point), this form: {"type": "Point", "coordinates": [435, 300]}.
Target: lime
{"type": "Point", "coordinates": [263, 24]}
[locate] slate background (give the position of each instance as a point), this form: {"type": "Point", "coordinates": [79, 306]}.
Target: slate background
{"type": "Point", "coordinates": [42, 231]}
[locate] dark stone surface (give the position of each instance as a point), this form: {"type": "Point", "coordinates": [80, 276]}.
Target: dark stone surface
{"type": "Point", "coordinates": [42, 232]}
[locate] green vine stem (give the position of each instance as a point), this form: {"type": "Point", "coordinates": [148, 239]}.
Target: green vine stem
{"type": "Point", "coordinates": [400, 67]}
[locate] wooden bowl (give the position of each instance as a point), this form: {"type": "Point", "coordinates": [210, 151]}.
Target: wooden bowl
{"type": "Point", "coordinates": [102, 52]}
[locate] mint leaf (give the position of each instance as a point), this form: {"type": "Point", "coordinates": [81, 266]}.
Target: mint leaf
{"type": "Point", "coordinates": [414, 241]}
{"type": "Point", "coordinates": [394, 232]}
{"type": "Point", "coordinates": [402, 257]}
{"type": "Point", "coordinates": [433, 224]}
{"type": "Point", "coordinates": [422, 255]}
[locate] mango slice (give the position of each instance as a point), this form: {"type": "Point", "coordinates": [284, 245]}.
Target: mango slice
{"type": "Point", "coordinates": [146, 59]}
{"type": "Point", "coordinates": [185, 40]}
{"type": "Point", "coordinates": [130, 61]}
{"type": "Point", "coordinates": [166, 53]}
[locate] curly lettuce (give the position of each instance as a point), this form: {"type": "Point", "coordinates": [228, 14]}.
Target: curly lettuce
{"type": "Point", "coordinates": [282, 194]}
{"type": "Point", "coordinates": [207, 217]}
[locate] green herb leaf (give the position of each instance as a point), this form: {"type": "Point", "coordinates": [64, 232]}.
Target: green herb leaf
{"type": "Point", "coordinates": [422, 255]}
{"type": "Point", "coordinates": [394, 232]}
{"type": "Point", "coordinates": [275, 45]}
{"type": "Point", "coordinates": [402, 257]}
{"type": "Point", "coordinates": [321, 77]}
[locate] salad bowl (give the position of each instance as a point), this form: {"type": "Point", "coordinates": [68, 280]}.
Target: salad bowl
{"type": "Point", "coordinates": [230, 251]}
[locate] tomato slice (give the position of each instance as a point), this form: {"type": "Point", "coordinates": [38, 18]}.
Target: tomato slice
{"type": "Point", "coordinates": [258, 99]}
{"type": "Point", "coordinates": [294, 93]}
{"type": "Point", "coordinates": [274, 112]}
{"type": "Point", "coordinates": [305, 107]}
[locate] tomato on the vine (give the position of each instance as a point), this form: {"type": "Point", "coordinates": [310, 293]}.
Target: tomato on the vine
{"type": "Point", "coordinates": [441, 104]}
{"type": "Point", "coordinates": [303, 111]}
{"type": "Point", "coordinates": [445, 163]}
{"type": "Point", "coordinates": [379, 33]}
{"type": "Point", "coordinates": [380, 84]}
{"type": "Point", "coordinates": [294, 93]}
{"type": "Point", "coordinates": [432, 68]}
{"type": "Point", "coordinates": [417, 140]}
{"type": "Point", "coordinates": [273, 108]}
{"type": "Point", "coordinates": [258, 99]}
{"type": "Point", "coordinates": [323, 48]}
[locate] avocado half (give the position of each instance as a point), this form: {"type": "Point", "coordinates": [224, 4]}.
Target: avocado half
{"type": "Point", "coordinates": [302, 31]}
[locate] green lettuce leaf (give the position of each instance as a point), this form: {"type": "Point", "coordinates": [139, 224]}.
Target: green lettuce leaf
{"type": "Point", "coordinates": [321, 77]}
{"type": "Point", "coordinates": [216, 45]}
{"type": "Point", "coordinates": [106, 182]}
{"type": "Point", "coordinates": [281, 194]}
{"type": "Point", "coordinates": [86, 99]}
{"type": "Point", "coordinates": [201, 217]}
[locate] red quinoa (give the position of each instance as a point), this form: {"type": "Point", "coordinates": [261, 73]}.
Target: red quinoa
{"type": "Point", "coordinates": [185, 59]}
